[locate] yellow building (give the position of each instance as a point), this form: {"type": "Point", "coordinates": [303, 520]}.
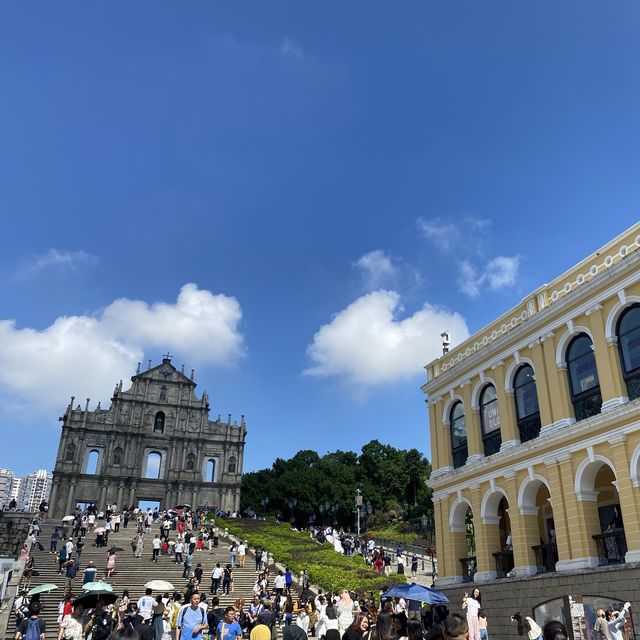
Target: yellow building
{"type": "Point", "coordinates": [535, 429]}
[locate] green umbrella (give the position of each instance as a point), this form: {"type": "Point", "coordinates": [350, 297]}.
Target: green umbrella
{"type": "Point", "coordinates": [97, 586]}
{"type": "Point", "coordinates": [42, 588]}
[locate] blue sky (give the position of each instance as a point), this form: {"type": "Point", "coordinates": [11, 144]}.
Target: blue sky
{"type": "Point", "coordinates": [293, 199]}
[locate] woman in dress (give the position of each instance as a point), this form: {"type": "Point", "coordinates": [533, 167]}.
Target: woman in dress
{"type": "Point", "coordinates": [345, 611]}
{"type": "Point", "coordinates": [472, 604]}
{"type": "Point", "coordinates": [111, 562]}
{"type": "Point", "coordinates": [327, 619]}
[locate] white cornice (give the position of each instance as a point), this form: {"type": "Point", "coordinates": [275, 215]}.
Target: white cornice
{"type": "Point", "coordinates": [490, 355]}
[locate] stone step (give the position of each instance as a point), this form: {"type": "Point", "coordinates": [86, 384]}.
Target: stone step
{"type": "Point", "coordinates": [132, 573]}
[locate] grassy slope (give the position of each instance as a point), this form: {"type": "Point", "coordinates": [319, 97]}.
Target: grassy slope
{"type": "Point", "coordinates": [330, 570]}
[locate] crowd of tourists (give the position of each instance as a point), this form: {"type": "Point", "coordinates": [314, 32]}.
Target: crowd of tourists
{"type": "Point", "coordinates": [277, 605]}
{"type": "Point", "coordinates": [378, 558]}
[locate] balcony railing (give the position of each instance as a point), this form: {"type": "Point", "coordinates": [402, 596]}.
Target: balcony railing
{"type": "Point", "coordinates": [633, 387]}
{"type": "Point", "coordinates": [460, 457]}
{"type": "Point", "coordinates": [469, 568]}
{"type": "Point", "coordinates": [529, 427]}
{"type": "Point", "coordinates": [612, 546]}
{"type": "Point", "coordinates": [492, 442]}
{"type": "Point", "coordinates": [504, 563]}
{"type": "Point", "coordinates": [546, 557]}
{"type": "Point", "coordinates": [587, 405]}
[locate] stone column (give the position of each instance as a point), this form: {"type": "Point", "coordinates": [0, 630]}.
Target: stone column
{"type": "Point", "coordinates": [132, 495]}
{"type": "Point", "coordinates": [542, 387]}
{"type": "Point", "coordinates": [508, 427]}
{"type": "Point", "coordinates": [524, 530]}
{"type": "Point", "coordinates": [180, 490]}
{"type": "Point", "coordinates": [194, 497]}
{"type": "Point", "coordinates": [558, 383]}
{"type": "Point", "coordinates": [612, 384]}
{"type": "Point", "coordinates": [443, 438]}
{"type": "Point", "coordinates": [435, 457]}
{"type": "Point", "coordinates": [556, 489]}
{"type": "Point", "coordinates": [102, 499]}
{"type": "Point", "coordinates": [120, 490]}
{"type": "Point", "coordinates": [627, 495]}
{"type": "Point", "coordinates": [582, 516]}
{"type": "Point", "coordinates": [53, 496]}
{"type": "Point", "coordinates": [70, 498]}
{"type": "Point", "coordinates": [485, 533]}
{"type": "Point", "coordinates": [472, 424]}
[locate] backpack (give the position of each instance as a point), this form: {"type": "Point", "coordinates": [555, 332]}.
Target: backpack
{"type": "Point", "coordinates": [33, 629]}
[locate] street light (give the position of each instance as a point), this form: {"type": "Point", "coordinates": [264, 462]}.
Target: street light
{"type": "Point", "coordinates": [292, 502]}
{"type": "Point", "coordinates": [429, 525]}
{"type": "Point", "coordinates": [264, 502]}
{"type": "Point", "coordinates": [358, 507]}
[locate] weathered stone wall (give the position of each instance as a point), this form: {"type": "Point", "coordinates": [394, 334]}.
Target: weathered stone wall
{"type": "Point", "coordinates": [502, 598]}
{"type": "Point", "coordinates": [14, 527]}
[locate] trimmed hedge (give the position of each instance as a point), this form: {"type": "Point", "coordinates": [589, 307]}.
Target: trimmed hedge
{"type": "Point", "coordinates": [328, 569]}
{"type": "Point", "coordinates": [394, 533]}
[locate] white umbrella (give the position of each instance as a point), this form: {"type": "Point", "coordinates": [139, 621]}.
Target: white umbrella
{"type": "Point", "coordinates": [68, 518]}
{"type": "Point", "coordinates": [159, 585]}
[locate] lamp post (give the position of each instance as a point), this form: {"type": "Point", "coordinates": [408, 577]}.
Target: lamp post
{"type": "Point", "coordinates": [264, 502]}
{"type": "Point", "coordinates": [429, 525]}
{"type": "Point", "coordinates": [292, 502]}
{"type": "Point", "coordinates": [358, 507]}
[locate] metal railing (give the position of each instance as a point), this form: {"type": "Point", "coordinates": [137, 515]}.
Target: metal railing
{"type": "Point", "coordinates": [469, 568]}
{"type": "Point", "coordinates": [612, 546]}
{"type": "Point", "coordinates": [492, 442]}
{"type": "Point", "coordinates": [504, 563]}
{"type": "Point", "coordinates": [529, 427]}
{"type": "Point", "coordinates": [546, 557]}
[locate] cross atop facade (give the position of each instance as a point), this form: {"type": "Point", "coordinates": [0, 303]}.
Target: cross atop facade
{"type": "Point", "coordinates": [167, 356]}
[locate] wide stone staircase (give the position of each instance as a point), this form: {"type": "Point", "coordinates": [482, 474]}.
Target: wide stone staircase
{"type": "Point", "coordinates": [131, 573]}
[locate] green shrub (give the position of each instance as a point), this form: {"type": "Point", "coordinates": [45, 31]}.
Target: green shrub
{"type": "Point", "coordinates": [297, 550]}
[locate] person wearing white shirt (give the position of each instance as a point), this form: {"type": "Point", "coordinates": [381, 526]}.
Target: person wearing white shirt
{"type": "Point", "coordinates": [146, 604]}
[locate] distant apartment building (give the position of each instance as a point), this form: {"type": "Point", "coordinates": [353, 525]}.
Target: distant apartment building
{"type": "Point", "coordinates": [30, 490]}
{"type": "Point", "coordinates": [36, 488]}
{"type": "Point", "coordinates": [6, 478]}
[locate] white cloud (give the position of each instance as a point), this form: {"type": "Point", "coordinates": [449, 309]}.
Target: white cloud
{"type": "Point", "coordinates": [444, 234]}
{"type": "Point", "coordinates": [502, 272]}
{"type": "Point", "coordinates": [469, 236]}
{"type": "Point", "coordinates": [291, 48]}
{"type": "Point", "coordinates": [367, 344]}
{"type": "Point", "coordinates": [377, 269]}
{"type": "Point", "coordinates": [498, 273]}
{"type": "Point", "coordinates": [449, 234]}
{"type": "Point", "coordinates": [58, 259]}
{"type": "Point", "coordinates": [85, 355]}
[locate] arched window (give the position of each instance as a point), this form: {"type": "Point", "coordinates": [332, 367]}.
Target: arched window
{"type": "Point", "coordinates": [117, 456]}
{"type": "Point", "coordinates": [629, 346]}
{"type": "Point", "coordinates": [70, 452]}
{"type": "Point", "coordinates": [583, 377]}
{"type": "Point", "coordinates": [490, 420]}
{"type": "Point", "coordinates": [154, 459]}
{"type": "Point", "coordinates": [158, 423]}
{"type": "Point", "coordinates": [191, 462]}
{"type": "Point", "coordinates": [210, 471]}
{"type": "Point", "coordinates": [527, 409]}
{"type": "Point", "coordinates": [459, 450]}
{"type": "Point", "coordinates": [92, 462]}
{"type": "Point", "coordinates": [231, 468]}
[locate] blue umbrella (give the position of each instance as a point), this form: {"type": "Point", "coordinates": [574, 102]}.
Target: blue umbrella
{"type": "Point", "coordinates": [417, 592]}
